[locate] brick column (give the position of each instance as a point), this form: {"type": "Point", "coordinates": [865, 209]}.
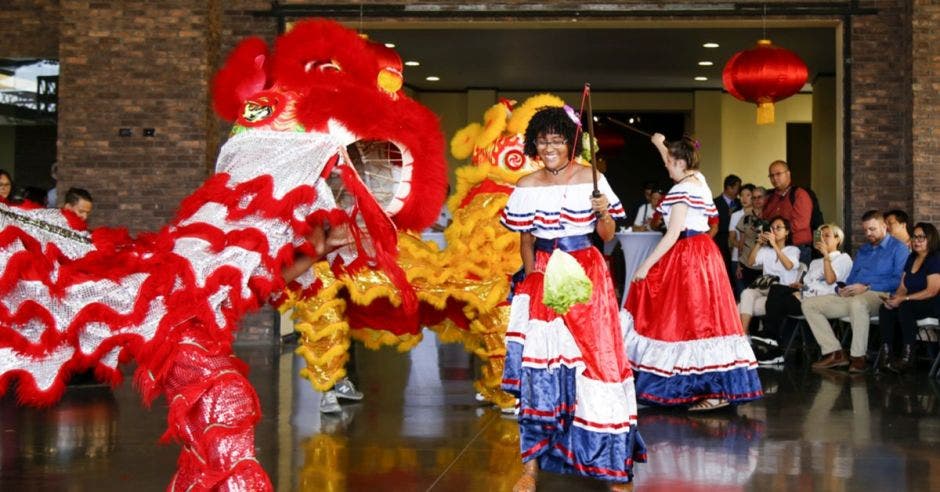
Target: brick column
{"type": "Point", "coordinates": [926, 110]}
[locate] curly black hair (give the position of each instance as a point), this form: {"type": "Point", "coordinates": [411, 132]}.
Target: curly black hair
{"type": "Point", "coordinates": [685, 149]}
{"type": "Point", "coordinates": [547, 121]}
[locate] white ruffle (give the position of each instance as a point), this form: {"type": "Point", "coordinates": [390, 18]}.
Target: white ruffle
{"type": "Point", "coordinates": [605, 407]}
{"type": "Point", "coordinates": [690, 357]}
{"type": "Point", "coordinates": [555, 211]}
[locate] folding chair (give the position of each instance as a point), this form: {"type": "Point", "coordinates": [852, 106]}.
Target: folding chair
{"type": "Point", "coordinates": [799, 330]}
{"type": "Point", "coordinates": [931, 324]}
{"type": "Point", "coordinates": [847, 321]}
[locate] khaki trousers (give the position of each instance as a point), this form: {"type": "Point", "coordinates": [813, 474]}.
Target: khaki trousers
{"type": "Point", "coordinates": [820, 309]}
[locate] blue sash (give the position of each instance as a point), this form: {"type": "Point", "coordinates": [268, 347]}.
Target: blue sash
{"type": "Point", "coordinates": [565, 243]}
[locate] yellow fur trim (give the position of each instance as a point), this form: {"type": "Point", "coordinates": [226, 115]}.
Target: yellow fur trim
{"type": "Point", "coordinates": [494, 122]}
{"type": "Point", "coordinates": [461, 146]}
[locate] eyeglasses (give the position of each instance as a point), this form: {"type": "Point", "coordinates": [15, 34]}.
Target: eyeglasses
{"type": "Point", "coordinates": [5, 185]}
{"type": "Point", "coordinates": [918, 237]}
{"type": "Point", "coordinates": [553, 143]}
{"type": "Point", "coordinates": [779, 228]}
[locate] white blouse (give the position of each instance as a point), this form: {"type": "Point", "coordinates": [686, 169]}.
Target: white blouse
{"type": "Point", "coordinates": [550, 212]}
{"type": "Point", "coordinates": [698, 198]}
{"type": "Point", "coordinates": [767, 258]}
{"type": "Point", "coordinates": [814, 283]}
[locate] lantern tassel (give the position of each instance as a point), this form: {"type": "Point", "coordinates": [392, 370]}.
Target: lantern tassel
{"type": "Point", "coordinates": [765, 113]}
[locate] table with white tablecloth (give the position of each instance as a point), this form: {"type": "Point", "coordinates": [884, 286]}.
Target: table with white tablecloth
{"type": "Point", "coordinates": [636, 247]}
{"type": "Point", "coordinates": [437, 237]}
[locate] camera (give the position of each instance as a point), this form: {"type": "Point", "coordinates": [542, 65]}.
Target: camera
{"type": "Point", "coordinates": [761, 225]}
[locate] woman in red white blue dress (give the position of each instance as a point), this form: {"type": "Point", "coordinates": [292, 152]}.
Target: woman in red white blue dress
{"type": "Point", "coordinates": [686, 344]}
{"type": "Point", "coordinates": [577, 407]}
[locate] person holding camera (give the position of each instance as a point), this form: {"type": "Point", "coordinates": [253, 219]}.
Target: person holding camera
{"type": "Point", "coordinates": [749, 227]}
{"type": "Point", "coordinates": [780, 263]}
{"type": "Point", "coordinates": [786, 300]}
{"type": "Point", "coordinates": [876, 271]}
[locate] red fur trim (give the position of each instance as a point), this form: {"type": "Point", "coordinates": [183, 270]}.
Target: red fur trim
{"type": "Point", "coordinates": [299, 54]}
{"type": "Point", "coordinates": [241, 77]}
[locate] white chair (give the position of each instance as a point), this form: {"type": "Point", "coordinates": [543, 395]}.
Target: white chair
{"type": "Point", "coordinates": [931, 324]}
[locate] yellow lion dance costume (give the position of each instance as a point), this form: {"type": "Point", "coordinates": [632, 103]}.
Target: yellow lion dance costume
{"type": "Point", "coordinates": [462, 290]}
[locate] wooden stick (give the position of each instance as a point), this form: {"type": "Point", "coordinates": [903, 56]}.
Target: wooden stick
{"type": "Point", "coordinates": [590, 122]}
{"type": "Point", "coordinates": [629, 127]}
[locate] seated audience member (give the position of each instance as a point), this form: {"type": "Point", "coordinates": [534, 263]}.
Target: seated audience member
{"type": "Point", "coordinates": [776, 257]}
{"type": "Point", "coordinates": [898, 226]}
{"type": "Point", "coordinates": [749, 228]}
{"type": "Point", "coordinates": [876, 271]}
{"type": "Point", "coordinates": [915, 298]}
{"type": "Point", "coordinates": [785, 300]}
{"type": "Point", "coordinates": [79, 202]}
{"type": "Point", "coordinates": [745, 197]}
{"type": "Point", "coordinates": [648, 188]}
{"type": "Point", "coordinates": [644, 215]}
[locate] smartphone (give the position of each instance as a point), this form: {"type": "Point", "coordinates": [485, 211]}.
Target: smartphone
{"type": "Point", "coordinates": [817, 236]}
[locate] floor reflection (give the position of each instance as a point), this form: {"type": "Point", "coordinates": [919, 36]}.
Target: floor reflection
{"type": "Point", "coordinates": [419, 428]}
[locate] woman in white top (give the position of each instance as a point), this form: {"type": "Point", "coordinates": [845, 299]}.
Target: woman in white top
{"type": "Point", "coordinates": [775, 257]}
{"type": "Point", "coordinates": [577, 407]}
{"type": "Point", "coordinates": [686, 344]}
{"type": "Point", "coordinates": [785, 300]}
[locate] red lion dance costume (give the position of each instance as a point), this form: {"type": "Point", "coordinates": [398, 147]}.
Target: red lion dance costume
{"type": "Point", "coordinates": [70, 300]}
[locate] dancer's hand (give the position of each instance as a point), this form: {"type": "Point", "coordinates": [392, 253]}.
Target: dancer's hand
{"type": "Point", "coordinates": [641, 273]}
{"type": "Point", "coordinates": [658, 139]}
{"type": "Point", "coordinates": [599, 204]}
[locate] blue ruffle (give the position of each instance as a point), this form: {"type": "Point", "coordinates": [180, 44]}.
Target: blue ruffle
{"type": "Point", "coordinates": [547, 404]}
{"type": "Point", "coordinates": [737, 386]}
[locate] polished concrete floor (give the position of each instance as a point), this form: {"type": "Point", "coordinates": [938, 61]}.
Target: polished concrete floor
{"type": "Point", "coordinates": [420, 429]}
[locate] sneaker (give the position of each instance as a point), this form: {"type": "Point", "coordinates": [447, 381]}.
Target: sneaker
{"type": "Point", "coordinates": [767, 352]}
{"type": "Point", "coordinates": [344, 389]}
{"type": "Point", "coordinates": [329, 403]}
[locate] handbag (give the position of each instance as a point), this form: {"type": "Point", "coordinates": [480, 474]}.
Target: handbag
{"type": "Point", "coordinates": [764, 282]}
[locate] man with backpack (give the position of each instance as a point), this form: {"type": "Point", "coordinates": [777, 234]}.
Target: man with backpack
{"type": "Point", "coordinates": [794, 204]}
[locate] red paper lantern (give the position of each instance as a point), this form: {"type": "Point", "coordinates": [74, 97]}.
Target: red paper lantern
{"type": "Point", "coordinates": [764, 75]}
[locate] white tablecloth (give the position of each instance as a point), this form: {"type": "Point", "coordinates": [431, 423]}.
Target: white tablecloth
{"type": "Point", "coordinates": [437, 237]}
{"type": "Point", "coordinates": [636, 247]}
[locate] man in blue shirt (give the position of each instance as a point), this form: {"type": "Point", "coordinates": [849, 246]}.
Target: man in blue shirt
{"type": "Point", "coordinates": [875, 273]}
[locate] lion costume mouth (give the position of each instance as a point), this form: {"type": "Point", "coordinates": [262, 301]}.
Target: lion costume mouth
{"type": "Point", "coordinates": [385, 169]}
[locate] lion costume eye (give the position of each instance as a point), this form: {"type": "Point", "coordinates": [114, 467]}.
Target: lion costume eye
{"type": "Point", "coordinates": [323, 66]}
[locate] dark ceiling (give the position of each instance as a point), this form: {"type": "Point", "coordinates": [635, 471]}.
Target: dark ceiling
{"type": "Point", "coordinates": [560, 59]}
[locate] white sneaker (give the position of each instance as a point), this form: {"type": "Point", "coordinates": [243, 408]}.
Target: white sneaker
{"type": "Point", "coordinates": [329, 404]}
{"type": "Point", "coordinates": [344, 389]}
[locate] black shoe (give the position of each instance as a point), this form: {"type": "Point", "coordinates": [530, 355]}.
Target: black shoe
{"type": "Point", "coordinates": [767, 351]}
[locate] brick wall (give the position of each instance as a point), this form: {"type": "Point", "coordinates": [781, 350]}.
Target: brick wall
{"type": "Point", "coordinates": [879, 171]}
{"type": "Point", "coordinates": [144, 65]}
{"type": "Point", "coordinates": [926, 110]}
{"type": "Point", "coordinates": [29, 28]}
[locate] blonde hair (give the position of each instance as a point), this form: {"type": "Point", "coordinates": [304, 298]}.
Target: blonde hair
{"type": "Point", "coordinates": [836, 232]}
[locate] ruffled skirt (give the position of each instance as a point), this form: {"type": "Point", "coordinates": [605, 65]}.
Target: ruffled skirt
{"type": "Point", "coordinates": [571, 375]}
{"type": "Point", "coordinates": [684, 335]}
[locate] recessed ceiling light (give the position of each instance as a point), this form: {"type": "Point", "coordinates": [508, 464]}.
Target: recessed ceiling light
{"type": "Point", "coordinates": [705, 63]}
{"type": "Point", "coordinates": [432, 78]}
{"type": "Point", "coordinates": [710, 45]}
{"type": "Point", "coordinates": [412, 63]}
{"type": "Point", "coordinates": [701, 79]}
{"type": "Point", "coordinates": [389, 45]}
